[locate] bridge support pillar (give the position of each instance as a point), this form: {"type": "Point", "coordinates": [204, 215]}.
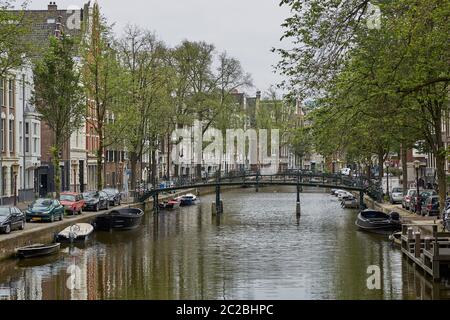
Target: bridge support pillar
{"type": "Point", "coordinates": [298, 207]}
{"type": "Point", "coordinates": [217, 206]}
{"type": "Point", "coordinates": [155, 203]}
{"type": "Point", "coordinates": [361, 200]}
{"type": "Point", "coordinates": [217, 209]}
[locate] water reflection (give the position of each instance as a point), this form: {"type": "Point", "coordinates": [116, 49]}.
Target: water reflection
{"type": "Point", "coordinates": [257, 250]}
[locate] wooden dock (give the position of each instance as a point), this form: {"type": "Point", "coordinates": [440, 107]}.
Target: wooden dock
{"type": "Point", "coordinates": [427, 248]}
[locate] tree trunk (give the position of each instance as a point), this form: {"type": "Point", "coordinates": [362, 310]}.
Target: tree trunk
{"type": "Point", "coordinates": [100, 163]}
{"type": "Point", "coordinates": [405, 168]}
{"type": "Point", "coordinates": [57, 170]}
{"type": "Point", "coordinates": [168, 157]}
{"type": "Point", "coordinates": [133, 163]}
{"type": "Point", "coordinates": [440, 155]}
{"type": "Point", "coordinates": [381, 165]}
{"type": "Point", "coordinates": [442, 178]}
{"type": "Point", "coordinates": [154, 167]}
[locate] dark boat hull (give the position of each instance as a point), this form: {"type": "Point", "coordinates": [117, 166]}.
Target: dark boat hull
{"type": "Point", "coordinates": [32, 252]}
{"type": "Point", "coordinates": [62, 239]}
{"type": "Point", "coordinates": [186, 202]}
{"type": "Point", "coordinates": [378, 223]}
{"type": "Point", "coordinates": [119, 220]}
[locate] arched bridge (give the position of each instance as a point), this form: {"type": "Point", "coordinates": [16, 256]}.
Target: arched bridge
{"type": "Point", "coordinates": [360, 184]}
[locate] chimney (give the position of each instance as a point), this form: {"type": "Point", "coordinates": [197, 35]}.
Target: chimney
{"type": "Point", "coordinates": [52, 6]}
{"type": "Point", "coordinates": [258, 95]}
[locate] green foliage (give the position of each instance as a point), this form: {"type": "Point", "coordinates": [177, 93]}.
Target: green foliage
{"type": "Point", "coordinates": [379, 88]}
{"type": "Point", "coordinates": [13, 31]}
{"type": "Point", "coordinates": [58, 95]}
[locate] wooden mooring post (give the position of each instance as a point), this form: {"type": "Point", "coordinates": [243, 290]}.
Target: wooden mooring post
{"type": "Point", "coordinates": [217, 206]}
{"type": "Point", "coordinates": [417, 244]}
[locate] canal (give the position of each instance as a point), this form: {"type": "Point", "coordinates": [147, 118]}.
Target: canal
{"type": "Point", "coordinates": [257, 250]}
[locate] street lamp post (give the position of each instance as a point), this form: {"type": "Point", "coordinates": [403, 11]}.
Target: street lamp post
{"type": "Point", "coordinates": [417, 166]}
{"type": "Point", "coordinates": [387, 177]}
{"type": "Point", "coordinates": [15, 168]}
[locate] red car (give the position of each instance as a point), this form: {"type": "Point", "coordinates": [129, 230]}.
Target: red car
{"type": "Point", "coordinates": [72, 202]}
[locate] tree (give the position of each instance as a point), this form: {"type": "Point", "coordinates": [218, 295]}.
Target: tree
{"type": "Point", "coordinates": [100, 76]}
{"type": "Point", "coordinates": [395, 77]}
{"type": "Point", "coordinates": [145, 85]}
{"type": "Point", "coordinates": [203, 93]}
{"type": "Point", "coordinates": [58, 96]}
{"type": "Point", "coordinates": [14, 29]}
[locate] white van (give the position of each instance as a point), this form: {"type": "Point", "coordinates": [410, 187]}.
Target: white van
{"type": "Point", "coordinates": [346, 171]}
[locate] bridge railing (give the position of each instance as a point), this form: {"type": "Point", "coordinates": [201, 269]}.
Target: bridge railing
{"type": "Point", "coordinates": [369, 186]}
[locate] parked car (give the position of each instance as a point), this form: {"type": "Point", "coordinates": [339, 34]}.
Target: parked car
{"type": "Point", "coordinates": [73, 202]}
{"type": "Point", "coordinates": [45, 210]}
{"type": "Point", "coordinates": [406, 202]}
{"type": "Point", "coordinates": [423, 195]}
{"type": "Point", "coordinates": [11, 218]}
{"type": "Point", "coordinates": [396, 195]}
{"type": "Point", "coordinates": [96, 200]}
{"type": "Point", "coordinates": [114, 196]}
{"type": "Point", "coordinates": [431, 206]}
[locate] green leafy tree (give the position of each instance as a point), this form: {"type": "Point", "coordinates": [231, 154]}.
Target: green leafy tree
{"type": "Point", "coordinates": [101, 81]}
{"type": "Point", "coordinates": [58, 96]}
{"type": "Point", "coordinates": [14, 30]}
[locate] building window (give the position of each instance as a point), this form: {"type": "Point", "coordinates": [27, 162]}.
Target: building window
{"type": "Point", "coordinates": [27, 128]}
{"type": "Point", "coordinates": [11, 93]}
{"type": "Point", "coordinates": [27, 144]}
{"type": "Point", "coordinates": [11, 135]}
{"type": "Point", "coordinates": [35, 145]}
{"type": "Point", "coordinates": [35, 129]}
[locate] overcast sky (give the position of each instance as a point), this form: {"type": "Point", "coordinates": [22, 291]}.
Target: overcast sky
{"type": "Point", "coordinates": [246, 29]}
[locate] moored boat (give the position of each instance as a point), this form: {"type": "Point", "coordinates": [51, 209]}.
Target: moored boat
{"type": "Point", "coordinates": [187, 200]}
{"type": "Point", "coordinates": [396, 238]}
{"type": "Point", "coordinates": [377, 221]}
{"type": "Point", "coordinates": [171, 204]}
{"type": "Point", "coordinates": [121, 219]}
{"type": "Point", "coordinates": [75, 233]}
{"type": "Point", "coordinates": [38, 250]}
{"type": "Point", "coordinates": [350, 203]}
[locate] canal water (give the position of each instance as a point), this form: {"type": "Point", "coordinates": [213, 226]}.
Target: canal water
{"type": "Point", "coordinates": [257, 250]}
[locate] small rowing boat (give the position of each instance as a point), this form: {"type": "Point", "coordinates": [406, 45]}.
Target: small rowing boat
{"type": "Point", "coordinates": [377, 221]}
{"type": "Point", "coordinates": [38, 250]}
{"type": "Point", "coordinates": [75, 233]}
{"type": "Point", "coordinates": [121, 219]}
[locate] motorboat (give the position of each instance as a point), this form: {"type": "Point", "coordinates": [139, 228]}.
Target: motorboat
{"type": "Point", "coordinates": [38, 250]}
{"type": "Point", "coordinates": [75, 233]}
{"type": "Point", "coordinates": [350, 202]}
{"type": "Point", "coordinates": [377, 221]}
{"type": "Point", "coordinates": [120, 219]}
{"type": "Point", "coordinates": [187, 200]}
{"type": "Point", "coordinates": [171, 204]}
{"type": "Point", "coordinates": [343, 194]}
